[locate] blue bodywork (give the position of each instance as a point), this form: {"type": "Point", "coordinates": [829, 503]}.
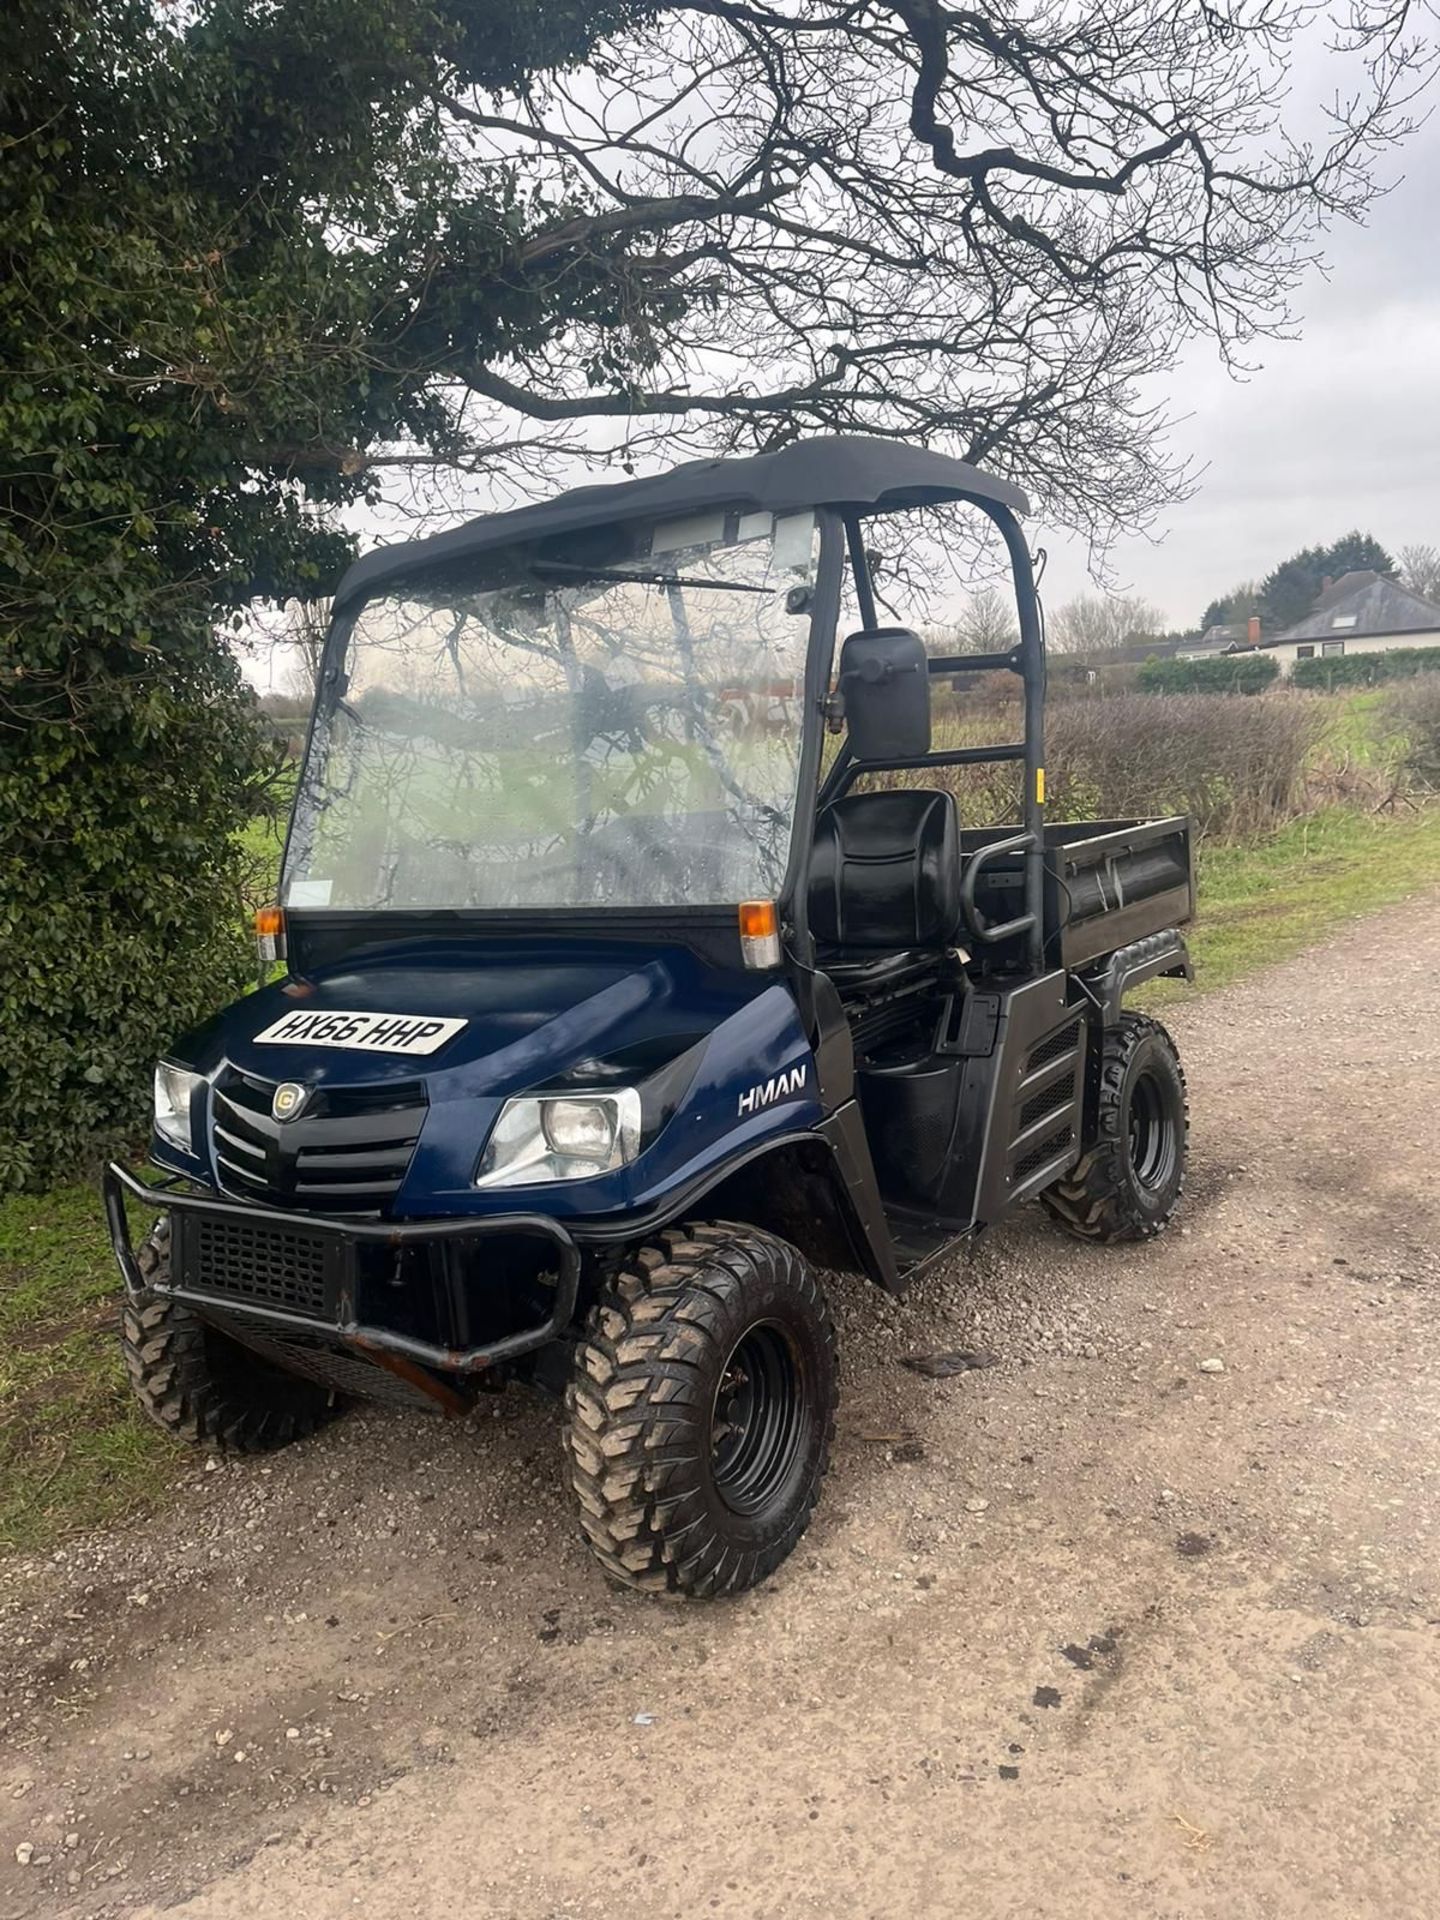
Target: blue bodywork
{"type": "Point", "coordinates": [567, 1014]}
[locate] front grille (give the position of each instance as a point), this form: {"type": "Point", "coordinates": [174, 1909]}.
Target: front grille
{"type": "Point", "coordinates": [263, 1265]}
{"type": "Point", "coordinates": [347, 1151]}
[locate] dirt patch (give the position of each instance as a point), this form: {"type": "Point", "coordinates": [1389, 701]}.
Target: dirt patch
{"type": "Point", "coordinates": [101, 1319]}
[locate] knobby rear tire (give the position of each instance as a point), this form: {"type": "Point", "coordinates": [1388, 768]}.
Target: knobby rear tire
{"type": "Point", "coordinates": [678, 1492]}
{"type": "Point", "coordinates": [1128, 1183]}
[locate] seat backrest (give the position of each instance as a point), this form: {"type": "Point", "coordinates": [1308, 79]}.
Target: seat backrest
{"type": "Point", "coordinates": [886, 871]}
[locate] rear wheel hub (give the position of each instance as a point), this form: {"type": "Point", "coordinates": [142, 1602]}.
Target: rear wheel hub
{"type": "Point", "coordinates": [1154, 1136]}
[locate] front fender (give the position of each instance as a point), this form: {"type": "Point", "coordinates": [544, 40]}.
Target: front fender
{"type": "Point", "coordinates": [760, 1045]}
{"type": "Point", "coordinates": [815, 1189]}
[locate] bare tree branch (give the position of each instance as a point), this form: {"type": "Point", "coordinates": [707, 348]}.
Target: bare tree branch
{"type": "Point", "coordinates": [986, 230]}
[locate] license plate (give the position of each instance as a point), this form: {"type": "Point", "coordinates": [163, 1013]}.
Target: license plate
{"type": "Point", "coordinates": [361, 1032]}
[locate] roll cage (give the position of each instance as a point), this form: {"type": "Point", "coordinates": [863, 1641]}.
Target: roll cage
{"type": "Point", "coordinates": [1026, 660]}
{"type": "Point", "coordinates": [846, 480]}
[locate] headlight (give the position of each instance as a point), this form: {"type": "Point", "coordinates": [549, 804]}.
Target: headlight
{"type": "Point", "coordinates": [541, 1137]}
{"type": "Point", "coordinates": [174, 1090]}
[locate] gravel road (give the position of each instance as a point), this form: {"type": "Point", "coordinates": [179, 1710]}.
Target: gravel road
{"type": "Point", "coordinates": [1099, 1631]}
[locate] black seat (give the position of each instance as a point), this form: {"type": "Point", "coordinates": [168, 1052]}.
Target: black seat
{"type": "Point", "coordinates": [885, 887]}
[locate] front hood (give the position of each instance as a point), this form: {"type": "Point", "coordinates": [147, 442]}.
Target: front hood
{"type": "Point", "coordinates": [594, 1016]}
{"type": "Point", "coordinates": [526, 1021]}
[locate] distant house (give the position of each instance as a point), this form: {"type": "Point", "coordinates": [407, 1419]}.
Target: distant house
{"type": "Point", "coordinates": [1146, 647]}
{"type": "Point", "coordinates": [1361, 612]}
{"type": "Point", "coordinates": [1129, 653]}
{"type": "Point", "coordinates": [1235, 637]}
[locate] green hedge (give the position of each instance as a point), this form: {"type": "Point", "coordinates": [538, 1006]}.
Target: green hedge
{"type": "Point", "coordinates": [1224, 673]}
{"type": "Point", "coordinates": [1365, 669]}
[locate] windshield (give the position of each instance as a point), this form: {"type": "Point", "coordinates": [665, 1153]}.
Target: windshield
{"type": "Point", "coordinates": [612, 720]}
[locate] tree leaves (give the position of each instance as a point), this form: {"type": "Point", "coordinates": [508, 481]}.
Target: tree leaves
{"type": "Point", "coordinates": [233, 255]}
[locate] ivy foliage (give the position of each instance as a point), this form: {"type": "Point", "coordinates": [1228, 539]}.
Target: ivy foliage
{"type": "Point", "coordinates": [230, 239]}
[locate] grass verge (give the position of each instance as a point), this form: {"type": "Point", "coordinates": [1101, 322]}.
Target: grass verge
{"type": "Point", "coordinates": [74, 1450]}
{"type": "Point", "coordinates": [1262, 903]}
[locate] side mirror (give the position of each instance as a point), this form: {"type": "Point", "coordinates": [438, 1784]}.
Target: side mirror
{"type": "Point", "coordinates": [885, 683]}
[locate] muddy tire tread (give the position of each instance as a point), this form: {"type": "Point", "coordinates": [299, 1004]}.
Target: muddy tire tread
{"type": "Point", "coordinates": [636, 1415]}
{"type": "Point", "coordinates": [1094, 1201]}
{"type": "Point", "coordinates": [170, 1360]}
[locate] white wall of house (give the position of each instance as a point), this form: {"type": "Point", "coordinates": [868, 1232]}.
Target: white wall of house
{"type": "Point", "coordinates": [1287, 652]}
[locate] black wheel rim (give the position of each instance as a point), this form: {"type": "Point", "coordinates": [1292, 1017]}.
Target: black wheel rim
{"type": "Point", "coordinates": [1153, 1139]}
{"type": "Point", "coordinates": [758, 1420]}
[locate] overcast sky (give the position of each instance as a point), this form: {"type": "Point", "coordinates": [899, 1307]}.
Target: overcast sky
{"type": "Point", "coordinates": [1337, 429]}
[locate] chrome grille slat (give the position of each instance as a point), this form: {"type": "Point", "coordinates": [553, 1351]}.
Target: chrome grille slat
{"type": "Point", "coordinates": [248, 1174]}
{"type": "Point", "coordinates": [354, 1160]}
{"type": "Point", "coordinates": [347, 1151]}
{"type": "Point", "coordinates": [235, 1140]}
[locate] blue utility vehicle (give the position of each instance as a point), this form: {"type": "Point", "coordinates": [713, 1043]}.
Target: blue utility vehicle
{"type": "Point", "coordinates": [640, 967]}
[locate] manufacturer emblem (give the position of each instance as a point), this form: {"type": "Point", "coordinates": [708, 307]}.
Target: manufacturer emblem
{"type": "Point", "coordinates": [288, 1101]}
{"type": "Point", "coordinates": [778, 1087]}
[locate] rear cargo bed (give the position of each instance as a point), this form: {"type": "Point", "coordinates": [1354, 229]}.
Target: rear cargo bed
{"type": "Point", "coordinates": [1107, 882]}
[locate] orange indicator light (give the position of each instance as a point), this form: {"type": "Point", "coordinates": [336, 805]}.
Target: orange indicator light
{"type": "Point", "coordinates": [759, 933]}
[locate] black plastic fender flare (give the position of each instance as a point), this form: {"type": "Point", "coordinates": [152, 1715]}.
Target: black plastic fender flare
{"type": "Point", "coordinates": [848, 1166]}
{"type": "Point", "coordinates": [1157, 953]}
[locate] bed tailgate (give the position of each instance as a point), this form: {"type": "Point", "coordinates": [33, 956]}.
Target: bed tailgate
{"type": "Point", "coordinates": [1116, 881]}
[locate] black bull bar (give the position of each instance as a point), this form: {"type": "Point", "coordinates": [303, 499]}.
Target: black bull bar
{"type": "Point", "coordinates": [117, 1182]}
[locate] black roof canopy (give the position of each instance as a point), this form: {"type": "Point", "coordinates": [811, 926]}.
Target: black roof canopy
{"type": "Point", "coordinates": [856, 471]}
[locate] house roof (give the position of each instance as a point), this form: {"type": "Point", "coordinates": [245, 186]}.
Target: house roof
{"type": "Point", "coordinates": [1130, 653]}
{"type": "Point", "coordinates": [1346, 583]}
{"type": "Point", "coordinates": [1362, 603]}
{"type": "Point", "coordinates": [860, 471]}
{"type": "Point", "coordinates": [1218, 639]}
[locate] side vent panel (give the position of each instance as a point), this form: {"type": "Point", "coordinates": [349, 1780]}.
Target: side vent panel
{"type": "Point", "coordinates": [1045, 1112]}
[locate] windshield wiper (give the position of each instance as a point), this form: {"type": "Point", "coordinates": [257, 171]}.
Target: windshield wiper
{"type": "Point", "coordinates": [573, 570]}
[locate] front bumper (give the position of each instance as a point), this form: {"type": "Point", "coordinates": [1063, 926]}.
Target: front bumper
{"type": "Point", "coordinates": [324, 1253]}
